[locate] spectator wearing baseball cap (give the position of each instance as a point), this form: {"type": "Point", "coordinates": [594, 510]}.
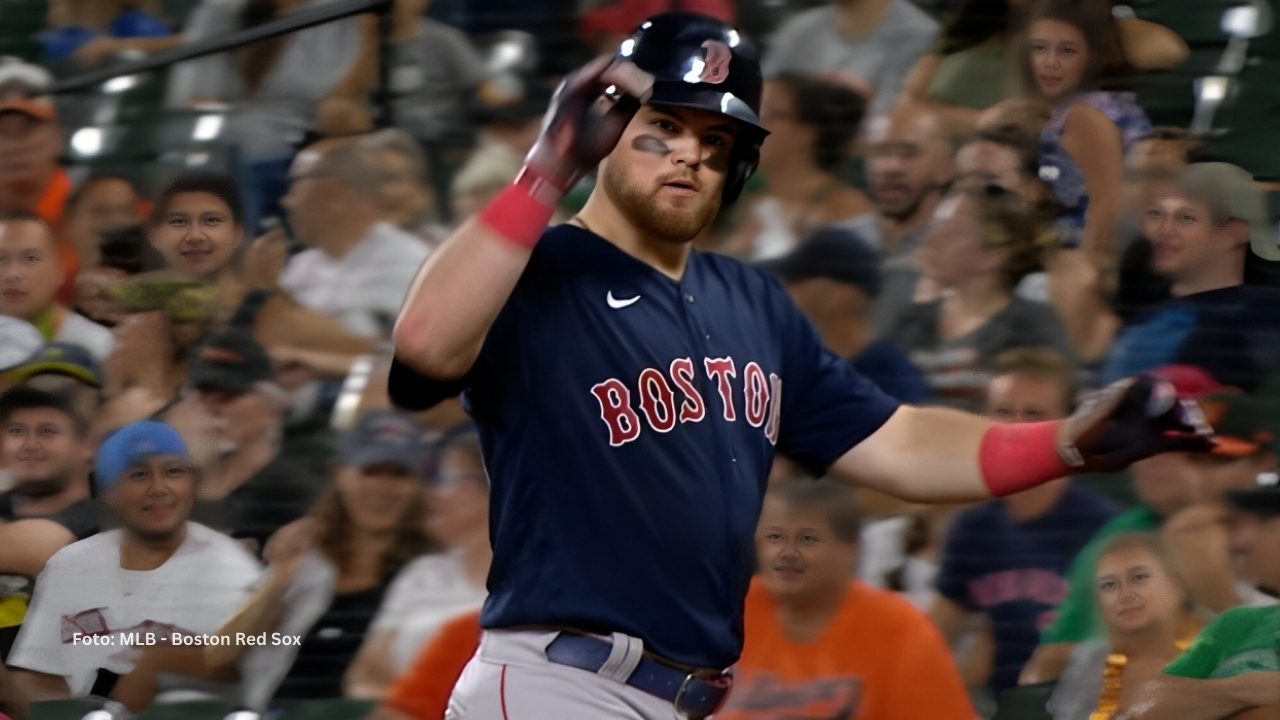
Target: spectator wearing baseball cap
{"type": "Point", "coordinates": [157, 573]}
{"type": "Point", "coordinates": [1179, 496]}
{"type": "Point", "coordinates": [249, 490]}
{"type": "Point", "coordinates": [437, 586]}
{"type": "Point", "coordinates": [834, 278]}
{"type": "Point", "coordinates": [333, 573]}
{"type": "Point", "coordinates": [1202, 226]}
{"type": "Point", "coordinates": [67, 369]}
{"type": "Point", "coordinates": [31, 142]}
{"type": "Point", "coordinates": [47, 444]}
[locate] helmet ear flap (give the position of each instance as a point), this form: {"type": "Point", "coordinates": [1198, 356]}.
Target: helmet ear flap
{"type": "Point", "coordinates": [741, 167]}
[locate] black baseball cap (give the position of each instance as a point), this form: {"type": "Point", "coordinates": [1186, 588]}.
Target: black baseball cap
{"type": "Point", "coordinates": [61, 358]}
{"type": "Point", "coordinates": [230, 361]}
{"type": "Point", "coordinates": [385, 436]}
{"type": "Point", "coordinates": [1262, 500]}
{"type": "Point", "coordinates": [834, 253]}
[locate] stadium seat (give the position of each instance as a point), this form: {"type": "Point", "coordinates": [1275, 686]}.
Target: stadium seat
{"type": "Point", "coordinates": [1026, 702]}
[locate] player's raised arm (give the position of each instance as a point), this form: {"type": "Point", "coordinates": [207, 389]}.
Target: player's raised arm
{"type": "Point", "coordinates": [941, 455]}
{"type": "Point", "coordinates": [461, 288]}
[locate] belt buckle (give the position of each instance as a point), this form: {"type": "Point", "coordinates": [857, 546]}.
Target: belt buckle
{"type": "Point", "coordinates": [723, 680]}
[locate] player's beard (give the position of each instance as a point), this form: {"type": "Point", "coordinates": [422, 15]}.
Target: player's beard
{"type": "Point", "coordinates": [677, 224]}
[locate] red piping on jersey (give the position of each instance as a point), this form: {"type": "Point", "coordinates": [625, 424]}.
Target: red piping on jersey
{"type": "Point", "coordinates": [502, 691]}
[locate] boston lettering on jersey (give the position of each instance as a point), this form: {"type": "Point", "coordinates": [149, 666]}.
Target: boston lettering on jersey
{"type": "Point", "coordinates": [655, 396]}
{"type": "Point", "coordinates": [629, 421]}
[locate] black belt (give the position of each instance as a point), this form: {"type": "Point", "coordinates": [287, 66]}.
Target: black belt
{"type": "Point", "coordinates": [694, 696]}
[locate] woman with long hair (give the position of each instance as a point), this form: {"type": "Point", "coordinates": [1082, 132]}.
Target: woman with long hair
{"type": "Point", "coordinates": [982, 241]}
{"type": "Point", "coordinates": [1070, 49]}
{"type": "Point", "coordinates": [1147, 611]}
{"type": "Point", "coordinates": [970, 67]}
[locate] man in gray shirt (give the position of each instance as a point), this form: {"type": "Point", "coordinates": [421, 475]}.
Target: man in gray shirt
{"type": "Point", "coordinates": [878, 40]}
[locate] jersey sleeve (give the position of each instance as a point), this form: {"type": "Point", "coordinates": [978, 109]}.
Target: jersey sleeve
{"type": "Point", "coordinates": [827, 406]}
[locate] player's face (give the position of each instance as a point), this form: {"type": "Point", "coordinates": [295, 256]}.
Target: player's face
{"type": "Point", "coordinates": [908, 160]}
{"type": "Point", "coordinates": [1059, 57]}
{"type": "Point", "coordinates": [1136, 592]}
{"type": "Point", "coordinates": [1255, 543]}
{"type": "Point", "coordinates": [376, 498]}
{"type": "Point", "coordinates": [798, 554]}
{"type": "Point", "coordinates": [153, 497]}
{"type": "Point", "coordinates": [667, 172]}
{"type": "Point", "coordinates": [458, 498]}
{"type": "Point", "coordinates": [29, 269]}
{"type": "Point", "coordinates": [196, 234]}
{"type": "Point", "coordinates": [1020, 397]}
{"type": "Point", "coordinates": [1184, 239]}
{"type": "Point", "coordinates": [45, 451]}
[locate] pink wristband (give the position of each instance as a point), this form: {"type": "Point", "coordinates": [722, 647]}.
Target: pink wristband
{"type": "Point", "coordinates": [1017, 456]}
{"type": "Point", "coordinates": [521, 212]}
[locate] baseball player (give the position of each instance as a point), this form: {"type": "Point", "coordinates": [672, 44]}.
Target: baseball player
{"type": "Point", "coordinates": [631, 394]}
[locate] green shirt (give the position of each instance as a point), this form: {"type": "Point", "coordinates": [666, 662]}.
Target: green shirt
{"type": "Point", "coordinates": [1240, 640]}
{"type": "Point", "coordinates": [1078, 619]}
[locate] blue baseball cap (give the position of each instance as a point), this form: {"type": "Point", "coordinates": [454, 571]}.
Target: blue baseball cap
{"type": "Point", "coordinates": [132, 444]}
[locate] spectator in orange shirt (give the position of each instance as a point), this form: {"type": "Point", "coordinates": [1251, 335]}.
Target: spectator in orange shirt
{"type": "Point", "coordinates": [820, 644]}
{"type": "Point", "coordinates": [30, 142]}
{"type": "Point", "coordinates": [422, 692]}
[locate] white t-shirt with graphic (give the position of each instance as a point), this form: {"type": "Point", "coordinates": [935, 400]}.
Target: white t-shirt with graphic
{"type": "Point", "coordinates": [87, 613]}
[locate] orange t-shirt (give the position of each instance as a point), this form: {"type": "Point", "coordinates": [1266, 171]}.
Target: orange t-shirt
{"type": "Point", "coordinates": [879, 659]}
{"type": "Point", "coordinates": [50, 206]}
{"type": "Point", "coordinates": [423, 691]}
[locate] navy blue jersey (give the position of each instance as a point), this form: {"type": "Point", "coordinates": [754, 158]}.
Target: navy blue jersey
{"type": "Point", "coordinates": [628, 423]}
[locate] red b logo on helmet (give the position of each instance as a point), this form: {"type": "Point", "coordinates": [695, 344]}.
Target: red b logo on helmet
{"type": "Point", "coordinates": [715, 62]}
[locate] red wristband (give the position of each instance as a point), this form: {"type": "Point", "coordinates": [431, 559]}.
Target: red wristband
{"type": "Point", "coordinates": [521, 212]}
{"type": "Point", "coordinates": [1017, 456]}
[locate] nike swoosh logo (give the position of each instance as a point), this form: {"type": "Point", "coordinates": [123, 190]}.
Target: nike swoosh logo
{"type": "Point", "coordinates": [617, 304]}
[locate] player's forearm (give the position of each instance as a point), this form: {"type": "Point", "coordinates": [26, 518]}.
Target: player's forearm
{"type": "Point", "coordinates": [455, 299]}
{"type": "Point", "coordinates": [921, 455]}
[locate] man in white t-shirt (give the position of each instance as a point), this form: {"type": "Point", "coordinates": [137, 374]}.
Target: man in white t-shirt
{"type": "Point", "coordinates": [30, 275]}
{"type": "Point", "coordinates": [102, 600]}
{"type": "Point", "coordinates": [358, 265]}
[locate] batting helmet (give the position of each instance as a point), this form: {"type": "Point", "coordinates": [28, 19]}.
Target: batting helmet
{"type": "Point", "coordinates": [697, 61]}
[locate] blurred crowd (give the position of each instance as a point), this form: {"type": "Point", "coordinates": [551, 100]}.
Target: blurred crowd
{"type": "Point", "coordinates": [965, 198]}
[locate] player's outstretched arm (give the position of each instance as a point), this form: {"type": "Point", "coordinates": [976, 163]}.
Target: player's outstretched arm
{"type": "Point", "coordinates": [941, 455]}
{"type": "Point", "coordinates": [462, 287]}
